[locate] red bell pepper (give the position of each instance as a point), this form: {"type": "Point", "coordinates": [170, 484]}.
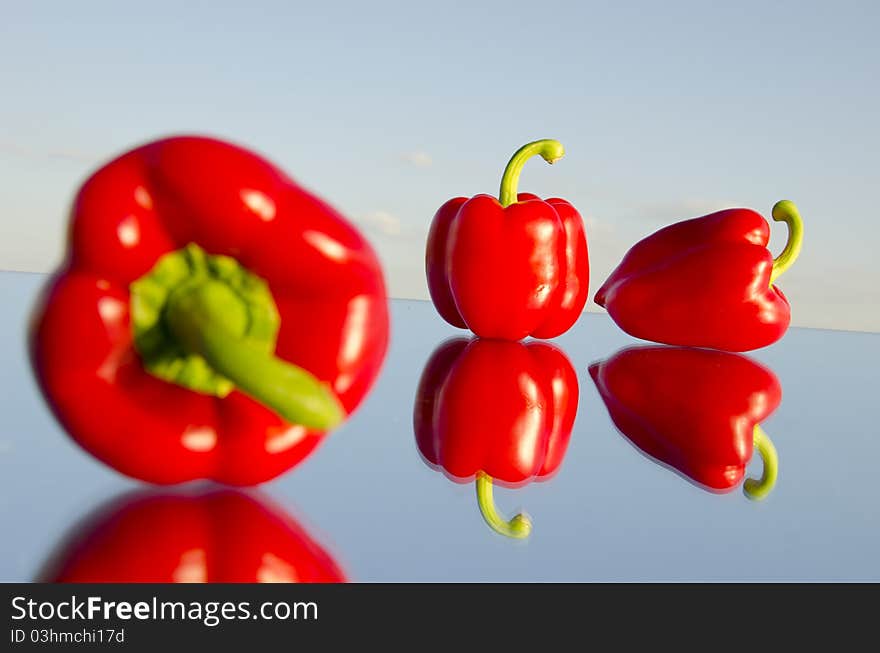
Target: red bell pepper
{"type": "Point", "coordinates": [509, 267]}
{"type": "Point", "coordinates": [212, 319]}
{"type": "Point", "coordinates": [696, 410]}
{"type": "Point", "coordinates": [496, 411]}
{"type": "Point", "coordinates": [213, 536]}
{"type": "Point", "coordinates": [706, 282]}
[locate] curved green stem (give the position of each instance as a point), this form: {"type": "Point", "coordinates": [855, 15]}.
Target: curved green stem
{"type": "Point", "coordinates": [759, 489]}
{"type": "Point", "coordinates": [786, 211]}
{"type": "Point", "coordinates": [208, 320]}
{"type": "Point", "coordinates": [519, 527]}
{"type": "Point", "coordinates": [549, 150]}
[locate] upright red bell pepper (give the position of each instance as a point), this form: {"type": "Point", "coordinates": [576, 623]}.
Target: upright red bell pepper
{"type": "Point", "coordinates": [696, 410]}
{"type": "Point", "coordinates": [706, 282]}
{"type": "Point", "coordinates": [513, 266]}
{"type": "Point", "coordinates": [496, 411]}
{"type": "Point", "coordinates": [212, 318]}
{"type": "Point", "coordinates": [207, 536]}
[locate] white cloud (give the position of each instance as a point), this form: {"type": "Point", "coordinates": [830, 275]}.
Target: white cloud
{"type": "Point", "coordinates": [12, 148]}
{"type": "Point", "coordinates": [689, 207]}
{"type": "Point", "coordinates": [66, 154]}
{"type": "Point", "coordinates": [72, 155]}
{"type": "Point", "coordinates": [595, 226]}
{"type": "Point", "coordinates": [381, 221]}
{"type": "Point", "coordinates": [418, 159]}
{"type": "Point", "coordinates": [701, 206]}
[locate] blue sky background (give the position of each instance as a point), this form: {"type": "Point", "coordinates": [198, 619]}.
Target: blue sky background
{"type": "Point", "coordinates": [667, 111]}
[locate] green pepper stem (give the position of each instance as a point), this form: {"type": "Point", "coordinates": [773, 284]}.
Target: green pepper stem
{"type": "Point", "coordinates": [519, 527]}
{"type": "Point", "coordinates": [786, 211]}
{"type": "Point", "coordinates": [759, 489]}
{"type": "Point", "coordinates": [549, 150]}
{"type": "Point", "coordinates": [207, 320]}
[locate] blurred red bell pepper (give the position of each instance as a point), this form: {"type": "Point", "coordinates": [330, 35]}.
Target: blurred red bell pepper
{"type": "Point", "coordinates": [496, 411]}
{"type": "Point", "coordinates": [509, 267]}
{"type": "Point", "coordinates": [212, 319]}
{"type": "Point", "coordinates": [213, 536]}
{"type": "Point", "coordinates": [696, 410]}
{"type": "Point", "coordinates": [706, 282]}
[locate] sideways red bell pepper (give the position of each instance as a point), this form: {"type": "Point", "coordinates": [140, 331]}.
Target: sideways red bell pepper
{"type": "Point", "coordinates": [706, 282]}
{"type": "Point", "coordinates": [513, 266]}
{"type": "Point", "coordinates": [696, 410]}
{"type": "Point", "coordinates": [210, 536]}
{"type": "Point", "coordinates": [496, 411]}
{"type": "Point", "coordinates": [212, 319]}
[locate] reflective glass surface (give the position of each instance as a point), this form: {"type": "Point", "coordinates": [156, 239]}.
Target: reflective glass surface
{"type": "Point", "coordinates": [369, 503]}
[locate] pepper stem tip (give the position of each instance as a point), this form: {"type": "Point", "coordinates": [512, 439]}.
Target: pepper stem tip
{"type": "Point", "coordinates": [519, 527]}
{"type": "Point", "coordinates": [758, 489]}
{"type": "Point", "coordinates": [548, 149]}
{"type": "Point", "coordinates": [786, 211]}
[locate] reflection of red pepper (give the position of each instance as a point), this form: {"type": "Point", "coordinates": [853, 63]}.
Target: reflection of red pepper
{"type": "Point", "coordinates": [693, 409]}
{"type": "Point", "coordinates": [197, 273]}
{"type": "Point", "coordinates": [510, 268]}
{"type": "Point", "coordinates": [215, 536]}
{"type": "Point", "coordinates": [706, 282]}
{"type": "Point", "coordinates": [489, 409]}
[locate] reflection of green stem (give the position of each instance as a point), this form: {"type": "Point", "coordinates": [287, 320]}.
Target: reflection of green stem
{"type": "Point", "coordinates": [519, 527]}
{"type": "Point", "coordinates": [786, 211]}
{"type": "Point", "coordinates": [759, 489]}
{"type": "Point", "coordinates": [550, 150]}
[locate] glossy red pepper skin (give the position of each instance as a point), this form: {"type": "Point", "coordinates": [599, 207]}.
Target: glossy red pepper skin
{"type": "Point", "coordinates": [703, 282]}
{"type": "Point", "coordinates": [508, 272]}
{"type": "Point", "coordinates": [214, 536]}
{"type": "Point", "coordinates": [694, 410]}
{"type": "Point", "coordinates": [510, 267]}
{"type": "Point", "coordinates": [324, 276]}
{"type": "Point", "coordinates": [500, 408]}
